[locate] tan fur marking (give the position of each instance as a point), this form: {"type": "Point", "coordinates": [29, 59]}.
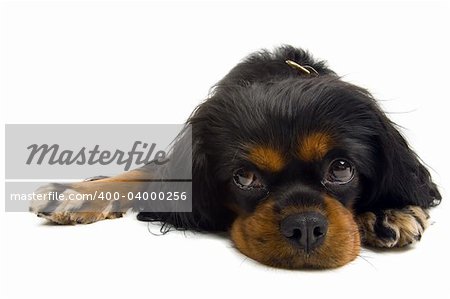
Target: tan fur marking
{"type": "Point", "coordinates": [89, 211]}
{"type": "Point", "coordinates": [258, 236]}
{"type": "Point", "coordinates": [406, 223]}
{"type": "Point", "coordinates": [267, 158]}
{"type": "Point", "coordinates": [314, 146]}
{"type": "Point", "coordinates": [343, 242]}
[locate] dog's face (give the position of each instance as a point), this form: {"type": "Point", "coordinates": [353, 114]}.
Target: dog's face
{"type": "Point", "coordinates": [287, 161]}
{"type": "Point", "coordinates": [293, 160]}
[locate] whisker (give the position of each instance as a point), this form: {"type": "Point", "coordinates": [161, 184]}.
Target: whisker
{"type": "Point", "coordinates": [366, 259]}
{"type": "Point", "coordinates": [243, 260]}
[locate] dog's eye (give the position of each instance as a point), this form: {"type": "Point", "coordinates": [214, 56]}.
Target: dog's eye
{"type": "Point", "coordinates": [246, 179]}
{"type": "Point", "coordinates": [340, 171]}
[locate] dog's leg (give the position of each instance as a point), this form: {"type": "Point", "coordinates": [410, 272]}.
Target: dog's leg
{"type": "Point", "coordinates": [393, 227]}
{"type": "Point", "coordinates": [90, 201]}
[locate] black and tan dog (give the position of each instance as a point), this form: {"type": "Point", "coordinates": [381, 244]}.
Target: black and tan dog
{"type": "Point", "coordinates": [299, 166]}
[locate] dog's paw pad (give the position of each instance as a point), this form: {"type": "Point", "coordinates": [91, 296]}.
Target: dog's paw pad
{"type": "Point", "coordinates": [393, 227]}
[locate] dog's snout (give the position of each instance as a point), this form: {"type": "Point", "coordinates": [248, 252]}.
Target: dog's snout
{"type": "Point", "coordinates": [306, 230]}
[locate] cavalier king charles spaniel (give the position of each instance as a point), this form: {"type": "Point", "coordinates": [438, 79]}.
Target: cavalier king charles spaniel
{"type": "Point", "coordinates": [299, 166]}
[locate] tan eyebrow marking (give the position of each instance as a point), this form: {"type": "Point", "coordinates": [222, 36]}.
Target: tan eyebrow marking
{"type": "Point", "coordinates": [314, 146]}
{"type": "Point", "coordinates": [267, 158]}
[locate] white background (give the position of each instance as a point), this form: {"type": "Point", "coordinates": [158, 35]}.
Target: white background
{"type": "Point", "coordinates": [135, 62]}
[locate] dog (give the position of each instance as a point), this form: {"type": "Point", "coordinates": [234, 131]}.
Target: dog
{"type": "Point", "coordinates": [299, 166]}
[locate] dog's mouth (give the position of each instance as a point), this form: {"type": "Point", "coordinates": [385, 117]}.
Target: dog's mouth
{"type": "Point", "coordinates": [298, 238]}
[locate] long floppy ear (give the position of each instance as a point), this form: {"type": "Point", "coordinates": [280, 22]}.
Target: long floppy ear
{"type": "Point", "coordinates": [208, 212]}
{"type": "Point", "coordinates": [402, 179]}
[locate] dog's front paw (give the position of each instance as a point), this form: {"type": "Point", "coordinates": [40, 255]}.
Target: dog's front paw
{"type": "Point", "coordinates": [63, 204]}
{"type": "Point", "coordinates": [393, 227]}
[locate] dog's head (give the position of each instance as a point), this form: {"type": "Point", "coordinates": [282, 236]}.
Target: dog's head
{"type": "Point", "coordinates": [286, 158]}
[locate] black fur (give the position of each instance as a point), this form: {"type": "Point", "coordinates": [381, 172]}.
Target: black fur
{"type": "Point", "coordinates": [263, 100]}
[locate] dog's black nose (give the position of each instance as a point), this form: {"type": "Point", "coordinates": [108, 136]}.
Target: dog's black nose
{"type": "Point", "coordinates": [306, 230]}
